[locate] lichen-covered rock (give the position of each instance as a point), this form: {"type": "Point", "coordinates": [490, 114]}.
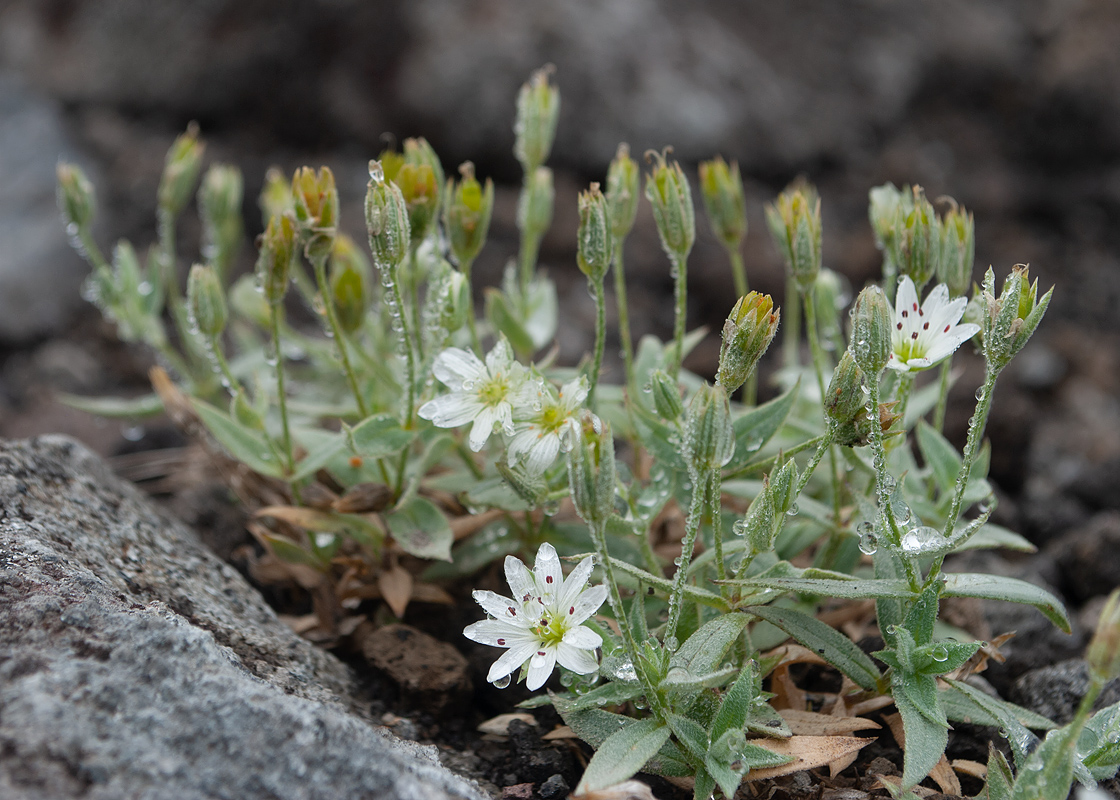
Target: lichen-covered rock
{"type": "Point", "coordinates": [133, 663]}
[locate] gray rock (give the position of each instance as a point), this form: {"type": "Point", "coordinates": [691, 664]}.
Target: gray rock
{"type": "Point", "coordinates": [133, 663]}
{"type": "Point", "coordinates": [1089, 557]}
{"type": "Point", "coordinates": [1056, 690]}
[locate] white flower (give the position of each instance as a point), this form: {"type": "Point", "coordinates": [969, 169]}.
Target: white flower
{"type": "Point", "coordinates": [545, 424]}
{"type": "Point", "coordinates": [541, 623]}
{"type": "Point", "coordinates": [923, 336]}
{"type": "Point", "coordinates": [480, 393]}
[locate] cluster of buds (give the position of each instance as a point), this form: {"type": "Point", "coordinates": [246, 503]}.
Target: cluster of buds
{"type": "Point", "coordinates": [721, 186]}
{"type": "Point", "coordinates": [466, 214]}
{"type": "Point", "coordinates": [315, 201]}
{"type": "Point", "coordinates": [747, 333]}
{"type": "Point", "coordinates": [671, 198]}
{"type": "Point", "coordinates": [1009, 319]}
{"type": "Point", "coordinates": [795, 223]}
{"type": "Point", "coordinates": [595, 239]}
{"type": "Point", "coordinates": [916, 243]}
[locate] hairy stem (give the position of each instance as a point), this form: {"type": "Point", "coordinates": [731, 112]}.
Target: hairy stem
{"type": "Point", "coordinates": [320, 266]}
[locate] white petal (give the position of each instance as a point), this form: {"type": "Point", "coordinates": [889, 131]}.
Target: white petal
{"type": "Point", "coordinates": [583, 638]}
{"type": "Point", "coordinates": [520, 579]}
{"type": "Point", "coordinates": [587, 604]}
{"type": "Point", "coordinates": [906, 299]}
{"type": "Point", "coordinates": [541, 665]}
{"type": "Point", "coordinates": [522, 442]}
{"type": "Point", "coordinates": [573, 393]}
{"type": "Point", "coordinates": [510, 660]}
{"type": "Point", "coordinates": [574, 584]}
{"type": "Point", "coordinates": [482, 428]}
{"type": "Point", "coordinates": [451, 410]}
{"type": "Point", "coordinates": [542, 453]}
{"type": "Point", "coordinates": [895, 363]}
{"type": "Point", "coordinates": [496, 605]}
{"type": "Point", "coordinates": [497, 633]}
{"type": "Point", "coordinates": [548, 572]}
{"type": "Point", "coordinates": [455, 365]}
{"type": "Point", "coordinates": [500, 355]}
{"type": "Point", "coordinates": [581, 662]}
{"type": "Point", "coordinates": [938, 297]}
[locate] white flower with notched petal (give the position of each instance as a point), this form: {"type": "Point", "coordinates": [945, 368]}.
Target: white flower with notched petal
{"type": "Point", "coordinates": [542, 622]}
{"type": "Point", "coordinates": [924, 335]}
{"type": "Point", "coordinates": [480, 393]}
{"type": "Point", "coordinates": [545, 423]}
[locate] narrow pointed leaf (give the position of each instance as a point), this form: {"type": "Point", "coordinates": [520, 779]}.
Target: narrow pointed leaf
{"type": "Point", "coordinates": [965, 703]}
{"type": "Point", "coordinates": [704, 650]}
{"type": "Point", "coordinates": [1012, 590]}
{"type": "Point", "coordinates": [940, 456]}
{"type": "Point", "coordinates": [244, 444]}
{"type": "Point", "coordinates": [829, 643]}
{"type": "Point", "coordinates": [148, 405]}
{"type": "Point", "coordinates": [624, 754]}
{"type": "Point", "coordinates": [925, 741]}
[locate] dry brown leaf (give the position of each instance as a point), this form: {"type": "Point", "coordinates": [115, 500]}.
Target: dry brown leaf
{"type": "Point", "coordinates": [865, 707]}
{"type": "Point", "coordinates": [560, 732]}
{"type": "Point", "coordinates": [979, 660]}
{"type": "Point", "coordinates": [792, 653]}
{"type": "Point", "coordinates": [499, 725]}
{"type": "Point", "coordinates": [972, 768]}
{"type": "Point", "coordinates": [810, 723]}
{"type": "Point", "coordinates": [894, 722]}
{"type": "Point", "coordinates": [301, 624]}
{"type": "Point", "coordinates": [808, 752]}
{"type": "Point", "coordinates": [462, 527]}
{"type": "Point", "coordinates": [300, 516]}
{"type": "Point", "coordinates": [786, 693]}
{"type": "Point", "coordinates": [395, 584]}
{"type": "Point", "coordinates": [944, 777]}
{"type": "Point", "coordinates": [896, 782]}
{"type": "Point", "coordinates": [841, 764]}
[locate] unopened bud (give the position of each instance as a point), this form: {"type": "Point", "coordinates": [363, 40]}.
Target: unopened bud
{"type": "Point", "coordinates": [276, 196]}
{"type": "Point", "coordinates": [886, 207]}
{"type": "Point", "coordinates": [529, 487]}
{"type": "Point", "coordinates": [671, 198]}
{"type": "Point", "coordinates": [206, 300]}
{"type": "Point", "coordinates": [466, 214]}
{"type": "Point", "coordinates": [623, 188]}
{"type": "Point", "coordinates": [709, 439]}
{"type": "Point", "coordinates": [721, 186]}
{"type": "Point", "coordinates": [871, 332]}
{"type": "Point", "coordinates": [538, 109]}
{"type": "Point", "coordinates": [747, 334]}
{"type": "Point", "coordinates": [219, 207]}
{"type": "Point", "coordinates": [386, 220]}
{"type": "Point", "coordinates": [418, 151]}
{"type": "Point", "coordinates": [534, 208]}
{"type": "Point", "coordinates": [916, 245]}
{"type": "Point", "coordinates": [591, 470]}
{"type": "Point", "coordinates": [418, 186]}
{"type": "Point", "coordinates": [666, 395]}
{"type": "Point", "coordinates": [274, 262]}
{"type": "Point", "coordinates": [349, 282]}
{"type": "Point", "coordinates": [1104, 649]}
{"type": "Point", "coordinates": [794, 220]}
{"type": "Point", "coordinates": [595, 238]}
{"type": "Point", "coordinates": [76, 199]}
{"type": "Point", "coordinates": [958, 251]}
{"type": "Point", "coordinates": [316, 207]}
{"type": "Point", "coordinates": [758, 525]}
{"type": "Point", "coordinates": [783, 487]}
{"type": "Point", "coordinates": [1013, 317]}
{"type": "Point", "coordinates": [180, 171]}
{"type": "Point", "coordinates": [845, 401]}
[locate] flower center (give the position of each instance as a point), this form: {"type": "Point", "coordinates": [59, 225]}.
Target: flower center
{"type": "Point", "coordinates": [550, 629]}
{"type": "Point", "coordinates": [494, 391]}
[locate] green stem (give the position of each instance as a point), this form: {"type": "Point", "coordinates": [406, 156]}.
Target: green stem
{"type": "Point", "coordinates": [90, 249]}
{"type": "Point", "coordinates": [623, 310]}
{"type": "Point", "coordinates": [476, 342]}
{"type": "Point", "coordinates": [281, 396]}
{"type": "Point", "coordinates": [396, 300]}
{"type": "Point", "coordinates": [692, 527]}
{"type": "Point", "coordinates": [600, 339]}
{"type": "Point", "coordinates": [942, 395]}
{"type": "Point", "coordinates": [903, 393]}
{"type": "Point", "coordinates": [232, 384]}
{"type": "Point", "coordinates": [819, 358]}
{"type": "Point", "coordinates": [738, 272]}
{"type": "Point", "coordinates": [768, 464]}
{"type": "Point", "coordinates": [336, 332]}
{"type": "Point", "coordinates": [680, 283]}
{"type": "Point", "coordinates": [713, 491]}
{"type": "Point", "coordinates": [527, 257]}
{"type": "Point", "coordinates": [414, 292]}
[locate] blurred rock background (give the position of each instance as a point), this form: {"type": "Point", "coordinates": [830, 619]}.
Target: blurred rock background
{"type": "Point", "coordinates": [1010, 106]}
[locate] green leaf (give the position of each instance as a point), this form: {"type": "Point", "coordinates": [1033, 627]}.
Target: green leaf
{"type": "Point", "coordinates": [148, 405]}
{"type": "Point", "coordinates": [965, 703]}
{"type": "Point", "coordinates": [421, 529]}
{"type": "Point", "coordinates": [681, 681]}
{"type": "Point", "coordinates": [992, 536]}
{"type": "Point", "coordinates": [1012, 590]}
{"type": "Point", "coordinates": [922, 615]}
{"type": "Point", "coordinates": [925, 739]}
{"type": "Point", "coordinates": [609, 694]}
{"type": "Point", "coordinates": [940, 456]}
{"type": "Point", "coordinates": [921, 690]}
{"type": "Point", "coordinates": [287, 550]}
{"type": "Point", "coordinates": [833, 646]}
{"type": "Point", "coordinates": [623, 754]}
{"type": "Point", "coordinates": [1100, 741]}
{"type": "Point", "coordinates": [826, 587]}
{"type": "Point", "coordinates": [946, 655]}
{"type": "Point", "coordinates": [691, 734]}
{"type": "Point", "coordinates": [493, 542]}
{"type": "Point", "coordinates": [1048, 773]}
{"type": "Point", "coordinates": [705, 785]}
{"type": "Point", "coordinates": [888, 610]}
{"type": "Point", "coordinates": [1000, 779]}
{"type": "Point", "coordinates": [379, 436]}
{"type": "Point", "coordinates": [501, 311]}
{"type": "Point", "coordinates": [754, 428]}
{"type": "Point", "coordinates": [704, 650]}
{"type": "Point", "coordinates": [736, 703]}
{"type": "Point", "coordinates": [245, 444]}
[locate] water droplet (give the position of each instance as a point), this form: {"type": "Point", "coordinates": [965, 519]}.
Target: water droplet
{"type": "Point", "coordinates": [980, 393]}
{"type": "Point", "coordinates": [868, 542]}
{"type": "Point", "coordinates": [739, 528]}
{"type": "Point", "coordinates": [940, 653]}
{"type": "Point", "coordinates": [502, 682]}
{"type": "Point", "coordinates": [671, 644]}
{"type": "Point", "coordinates": [793, 510]}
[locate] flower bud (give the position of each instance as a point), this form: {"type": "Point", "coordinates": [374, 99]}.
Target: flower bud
{"type": "Point", "coordinates": [386, 220]}
{"type": "Point", "coordinates": [591, 470]}
{"type": "Point", "coordinates": [466, 214]}
{"type": "Point", "coordinates": [538, 108]}
{"type": "Point", "coordinates": [418, 151]}
{"type": "Point", "coordinates": [349, 282]}
{"type": "Point", "coordinates": [529, 487]}
{"type": "Point", "coordinates": [276, 196]}
{"type": "Point", "coordinates": [595, 239]}
{"type": "Point", "coordinates": [420, 191]}
{"type": "Point", "coordinates": [534, 208]}
{"type": "Point", "coordinates": [671, 198]}
{"type": "Point", "coordinates": [783, 485]}
{"type": "Point", "coordinates": [219, 206]}
{"type": "Point", "coordinates": [758, 524]}
{"type": "Point", "coordinates": [316, 209]}
{"type": "Point", "coordinates": [886, 207]}
{"type": "Point", "coordinates": [274, 262]}
{"type": "Point", "coordinates": [709, 438]}
{"type": "Point", "coordinates": [180, 171]}
{"type": "Point", "coordinates": [747, 334]}
{"type": "Point", "coordinates": [871, 331]}
{"type": "Point", "coordinates": [958, 251]}
{"type": "Point", "coordinates": [76, 199]}
{"type": "Point", "coordinates": [845, 401]}
{"type": "Point", "coordinates": [722, 189]}
{"type": "Point", "coordinates": [666, 395]}
{"type": "Point", "coordinates": [795, 223]}
{"type": "Point", "coordinates": [1104, 649]}
{"type": "Point", "coordinates": [1012, 318]}
{"type": "Point", "coordinates": [916, 245]}
{"type": "Point", "coordinates": [623, 188]}
{"type": "Point", "coordinates": [206, 300]}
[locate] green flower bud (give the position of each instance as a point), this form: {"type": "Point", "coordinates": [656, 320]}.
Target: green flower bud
{"type": "Point", "coordinates": [1104, 649]}
{"type": "Point", "coordinates": [709, 439]}
{"type": "Point", "coordinates": [276, 196]}
{"type": "Point", "coordinates": [418, 186]}
{"type": "Point", "coordinates": [845, 401]}
{"type": "Point", "coordinates": [466, 214]}
{"type": "Point", "coordinates": [219, 206]}
{"type": "Point", "coordinates": [530, 488]}
{"type": "Point", "coordinates": [783, 485]}
{"type": "Point", "coordinates": [671, 198]}
{"type": "Point", "coordinates": [722, 189]}
{"type": "Point", "coordinates": [666, 395]}
{"type": "Point", "coordinates": [831, 294]}
{"type": "Point", "coordinates": [386, 220]}
{"type": "Point", "coordinates": [180, 171]}
{"type": "Point", "coordinates": [456, 302]}
{"type": "Point", "coordinates": [591, 470]}
{"type": "Point", "coordinates": [623, 188]}
{"type": "Point", "coordinates": [274, 262]}
{"type": "Point", "coordinates": [758, 524]}
{"type": "Point", "coordinates": [871, 331]}
{"type": "Point", "coordinates": [418, 151]}
{"type": "Point", "coordinates": [886, 207]}
{"type": "Point", "coordinates": [595, 239]}
{"type": "Point", "coordinates": [958, 251]}
{"type": "Point", "coordinates": [534, 207]}
{"type": "Point", "coordinates": [76, 199]}
{"type": "Point", "coordinates": [349, 282]}
{"type": "Point", "coordinates": [747, 334]}
{"type": "Point", "coordinates": [916, 245]}
{"type": "Point", "coordinates": [206, 300]}
{"type": "Point", "coordinates": [538, 108]}
{"type": "Point", "coordinates": [1011, 319]}
{"type": "Point", "coordinates": [795, 224]}
{"type": "Point", "coordinates": [316, 207]}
